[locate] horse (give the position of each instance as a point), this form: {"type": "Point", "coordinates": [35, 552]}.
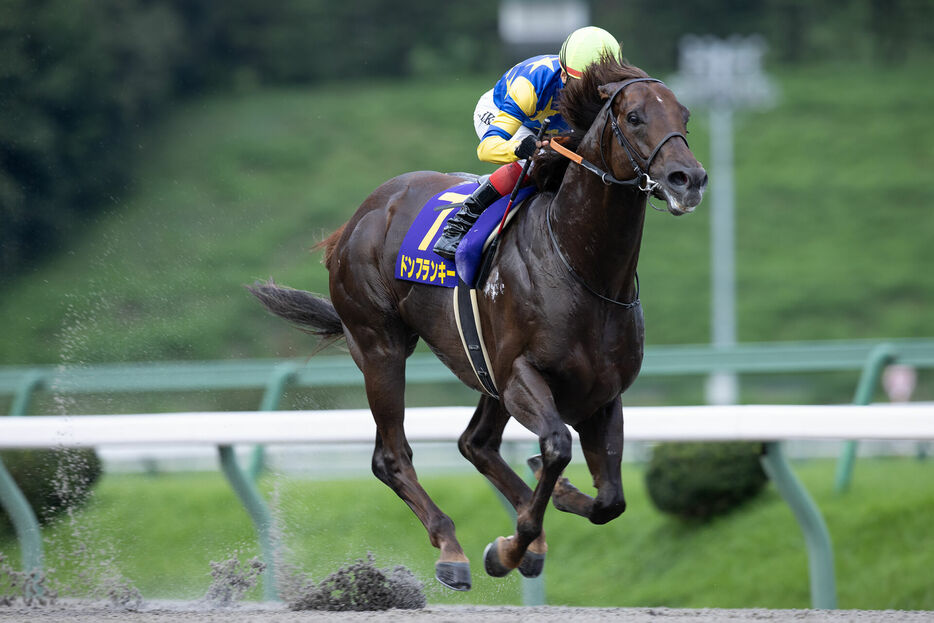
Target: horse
{"type": "Point", "coordinates": [560, 312]}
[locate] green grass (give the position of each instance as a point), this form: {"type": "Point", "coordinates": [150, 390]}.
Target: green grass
{"type": "Point", "coordinates": [833, 192]}
{"type": "Point", "coordinates": [164, 530]}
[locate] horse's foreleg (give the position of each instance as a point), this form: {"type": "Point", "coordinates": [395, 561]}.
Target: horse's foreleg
{"type": "Point", "coordinates": [480, 444]}
{"type": "Point", "coordinates": [528, 398]}
{"type": "Point", "coordinates": [566, 497]}
{"type": "Point", "coordinates": [601, 438]}
{"type": "Point", "coordinates": [384, 374]}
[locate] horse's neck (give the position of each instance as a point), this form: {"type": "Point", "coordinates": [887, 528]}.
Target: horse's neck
{"type": "Point", "coordinates": [599, 229]}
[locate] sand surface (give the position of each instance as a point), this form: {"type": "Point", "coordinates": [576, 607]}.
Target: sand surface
{"type": "Point", "coordinates": [189, 612]}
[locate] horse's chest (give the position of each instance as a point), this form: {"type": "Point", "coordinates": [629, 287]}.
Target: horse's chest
{"type": "Point", "coordinates": [589, 376]}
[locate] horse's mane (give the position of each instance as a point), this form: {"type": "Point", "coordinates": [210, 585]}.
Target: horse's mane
{"type": "Point", "coordinates": [579, 105]}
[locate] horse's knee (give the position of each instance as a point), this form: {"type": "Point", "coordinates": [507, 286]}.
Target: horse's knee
{"type": "Point", "coordinates": [606, 510]}
{"type": "Point", "coordinates": [556, 448]}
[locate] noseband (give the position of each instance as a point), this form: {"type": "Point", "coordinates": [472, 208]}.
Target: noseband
{"type": "Point", "coordinates": [640, 165]}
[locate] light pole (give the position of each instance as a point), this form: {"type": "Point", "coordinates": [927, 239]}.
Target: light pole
{"type": "Point", "coordinates": [722, 75]}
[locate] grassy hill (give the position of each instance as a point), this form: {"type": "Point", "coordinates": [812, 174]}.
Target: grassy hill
{"type": "Point", "coordinates": [833, 227]}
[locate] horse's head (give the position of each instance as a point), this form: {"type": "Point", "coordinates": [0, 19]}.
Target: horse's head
{"type": "Point", "coordinates": [644, 136]}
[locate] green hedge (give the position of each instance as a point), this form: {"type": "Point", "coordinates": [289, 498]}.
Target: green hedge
{"type": "Point", "coordinates": [52, 480]}
{"type": "Point", "coordinates": [701, 480]}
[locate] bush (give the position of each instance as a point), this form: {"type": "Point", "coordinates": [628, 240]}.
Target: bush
{"type": "Point", "coordinates": [52, 480]}
{"type": "Point", "coordinates": [700, 480]}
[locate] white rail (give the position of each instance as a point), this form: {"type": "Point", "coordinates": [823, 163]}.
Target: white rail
{"type": "Point", "coordinates": [694, 423]}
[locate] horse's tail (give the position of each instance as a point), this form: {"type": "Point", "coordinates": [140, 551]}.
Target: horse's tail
{"type": "Point", "coordinates": [308, 312]}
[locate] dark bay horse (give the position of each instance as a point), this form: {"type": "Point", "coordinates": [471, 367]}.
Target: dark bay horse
{"type": "Point", "coordinates": [559, 311]}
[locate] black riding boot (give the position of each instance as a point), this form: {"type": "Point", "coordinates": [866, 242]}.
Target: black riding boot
{"type": "Point", "coordinates": [460, 223]}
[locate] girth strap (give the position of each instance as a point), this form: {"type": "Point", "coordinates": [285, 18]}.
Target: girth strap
{"type": "Point", "coordinates": [467, 315]}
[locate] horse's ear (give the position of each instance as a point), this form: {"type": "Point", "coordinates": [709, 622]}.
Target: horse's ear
{"type": "Point", "coordinates": [607, 90]}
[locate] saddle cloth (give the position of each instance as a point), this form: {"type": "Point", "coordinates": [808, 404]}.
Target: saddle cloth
{"type": "Point", "coordinates": [417, 262]}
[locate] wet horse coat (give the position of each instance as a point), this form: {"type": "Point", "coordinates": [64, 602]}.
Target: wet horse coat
{"type": "Point", "coordinates": [559, 311]}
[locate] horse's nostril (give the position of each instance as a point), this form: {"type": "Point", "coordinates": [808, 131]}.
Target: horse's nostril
{"type": "Point", "coordinates": [678, 178]}
{"type": "Point", "coordinates": [703, 183]}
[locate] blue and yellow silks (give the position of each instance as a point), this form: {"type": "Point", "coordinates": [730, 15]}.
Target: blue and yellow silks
{"type": "Point", "coordinates": [525, 95]}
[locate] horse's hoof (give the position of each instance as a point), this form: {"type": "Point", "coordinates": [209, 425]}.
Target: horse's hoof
{"type": "Point", "coordinates": [491, 562]}
{"type": "Point", "coordinates": [535, 464]}
{"type": "Point", "coordinates": [532, 564]}
{"type": "Point", "coordinates": [454, 575]}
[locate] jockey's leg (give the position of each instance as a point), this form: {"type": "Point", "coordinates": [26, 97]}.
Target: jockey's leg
{"type": "Point", "coordinates": [500, 183]}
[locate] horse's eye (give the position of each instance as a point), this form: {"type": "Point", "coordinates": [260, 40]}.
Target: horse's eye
{"type": "Point", "coordinates": [633, 119]}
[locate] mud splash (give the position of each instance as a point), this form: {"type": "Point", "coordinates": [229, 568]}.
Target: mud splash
{"type": "Point", "coordinates": [82, 548]}
{"type": "Point", "coordinates": [231, 579]}
{"type": "Point", "coordinates": [27, 588]}
{"type": "Point", "coordinates": [359, 586]}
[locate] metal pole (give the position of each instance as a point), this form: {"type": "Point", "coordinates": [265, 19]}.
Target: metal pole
{"type": "Point", "coordinates": [24, 521]}
{"type": "Point", "coordinates": [281, 376]}
{"type": "Point", "coordinates": [722, 387]}
{"type": "Point", "coordinates": [12, 499]}
{"type": "Point", "coordinates": [259, 513]}
{"type": "Point", "coordinates": [879, 357]}
{"type": "Point", "coordinates": [816, 536]}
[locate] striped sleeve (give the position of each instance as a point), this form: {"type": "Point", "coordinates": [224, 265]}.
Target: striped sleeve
{"type": "Point", "coordinates": [497, 150]}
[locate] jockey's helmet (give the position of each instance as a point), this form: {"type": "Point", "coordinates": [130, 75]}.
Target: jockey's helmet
{"type": "Point", "coordinates": [585, 46]}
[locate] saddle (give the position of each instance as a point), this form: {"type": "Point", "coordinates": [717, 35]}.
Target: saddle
{"type": "Point", "coordinates": [417, 262]}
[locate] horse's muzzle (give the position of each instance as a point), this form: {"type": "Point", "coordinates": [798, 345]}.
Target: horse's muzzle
{"type": "Point", "coordinates": [683, 187]}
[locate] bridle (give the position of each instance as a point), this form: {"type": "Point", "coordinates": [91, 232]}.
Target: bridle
{"type": "Point", "coordinates": [640, 166]}
{"type": "Point", "coordinates": [642, 181]}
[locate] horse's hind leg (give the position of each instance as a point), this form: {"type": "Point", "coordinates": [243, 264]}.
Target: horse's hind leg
{"type": "Point", "coordinates": [480, 444]}
{"type": "Point", "coordinates": [601, 438]}
{"type": "Point", "coordinates": [382, 360]}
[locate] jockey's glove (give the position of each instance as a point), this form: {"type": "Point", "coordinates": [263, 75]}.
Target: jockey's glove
{"type": "Point", "coordinates": [526, 148]}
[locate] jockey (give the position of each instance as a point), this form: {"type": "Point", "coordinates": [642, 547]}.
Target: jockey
{"type": "Point", "coordinates": [508, 115]}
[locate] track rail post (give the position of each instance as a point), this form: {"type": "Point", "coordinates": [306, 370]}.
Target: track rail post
{"type": "Point", "coordinates": [816, 535]}
{"type": "Point", "coordinates": [12, 499]}
{"type": "Point", "coordinates": [259, 512]}
{"type": "Point", "coordinates": [879, 357]}
{"type": "Point", "coordinates": [280, 378]}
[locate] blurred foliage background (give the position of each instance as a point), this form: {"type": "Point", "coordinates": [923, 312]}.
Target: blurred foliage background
{"type": "Point", "coordinates": [80, 78]}
{"type": "Point", "coordinates": [155, 155]}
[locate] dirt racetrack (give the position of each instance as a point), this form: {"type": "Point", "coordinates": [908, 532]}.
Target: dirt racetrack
{"type": "Point", "coordinates": [176, 612]}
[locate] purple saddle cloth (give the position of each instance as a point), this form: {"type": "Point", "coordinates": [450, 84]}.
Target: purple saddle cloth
{"type": "Point", "coordinates": [417, 262]}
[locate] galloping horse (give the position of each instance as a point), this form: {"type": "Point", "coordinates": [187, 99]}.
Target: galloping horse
{"type": "Point", "coordinates": [560, 313]}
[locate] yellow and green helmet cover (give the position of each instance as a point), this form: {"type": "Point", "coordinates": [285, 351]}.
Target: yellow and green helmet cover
{"type": "Point", "coordinates": [585, 46]}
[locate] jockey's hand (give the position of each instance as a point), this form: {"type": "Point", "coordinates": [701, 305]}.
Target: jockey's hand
{"type": "Point", "coordinates": [527, 147]}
